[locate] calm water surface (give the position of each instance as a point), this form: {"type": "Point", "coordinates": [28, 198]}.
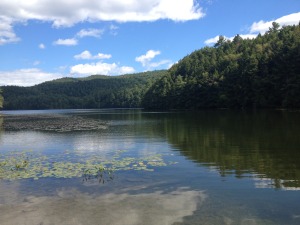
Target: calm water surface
{"type": "Point", "coordinates": [222, 167]}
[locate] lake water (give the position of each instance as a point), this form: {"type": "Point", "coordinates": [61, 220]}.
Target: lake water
{"type": "Point", "coordinates": [132, 167]}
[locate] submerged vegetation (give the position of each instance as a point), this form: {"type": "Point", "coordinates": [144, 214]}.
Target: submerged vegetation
{"type": "Point", "coordinates": [26, 164]}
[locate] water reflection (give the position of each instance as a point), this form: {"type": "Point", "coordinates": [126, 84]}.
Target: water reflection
{"type": "Point", "coordinates": [263, 145]}
{"type": "Point", "coordinates": [71, 206]}
{"type": "Point", "coordinates": [245, 148]}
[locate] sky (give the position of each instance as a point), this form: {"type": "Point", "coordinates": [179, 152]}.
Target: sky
{"type": "Point", "coordinates": [42, 40]}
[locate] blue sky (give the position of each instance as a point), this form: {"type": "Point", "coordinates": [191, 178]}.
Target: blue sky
{"type": "Point", "coordinates": [43, 40]}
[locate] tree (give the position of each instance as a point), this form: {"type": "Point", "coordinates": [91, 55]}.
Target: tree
{"type": "Point", "coordinates": [245, 73]}
{"type": "Point", "coordinates": [220, 42]}
{"type": "Point", "coordinates": [275, 27]}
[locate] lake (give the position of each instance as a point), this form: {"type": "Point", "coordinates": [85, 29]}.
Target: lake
{"type": "Point", "coordinates": [127, 166]}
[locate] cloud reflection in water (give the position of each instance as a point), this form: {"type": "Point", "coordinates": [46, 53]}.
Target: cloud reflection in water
{"type": "Point", "coordinates": [71, 206]}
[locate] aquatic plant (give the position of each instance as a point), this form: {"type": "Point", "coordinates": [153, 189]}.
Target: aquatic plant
{"type": "Point", "coordinates": [28, 164]}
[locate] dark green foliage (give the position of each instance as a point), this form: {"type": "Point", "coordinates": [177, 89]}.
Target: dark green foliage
{"type": "Point", "coordinates": [95, 91]}
{"type": "Point", "coordinates": [259, 73]}
{"type": "Point", "coordinates": [1, 99]}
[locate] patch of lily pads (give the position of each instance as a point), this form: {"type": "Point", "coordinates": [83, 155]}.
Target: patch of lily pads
{"type": "Point", "coordinates": [52, 123]}
{"type": "Point", "coordinates": [32, 165]}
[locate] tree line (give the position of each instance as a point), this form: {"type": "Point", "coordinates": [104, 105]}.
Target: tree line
{"type": "Point", "coordinates": [97, 91]}
{"type": "Point", "coordinates": [243, 73]}
{"type": "Point", "coordinates": [259, 73]}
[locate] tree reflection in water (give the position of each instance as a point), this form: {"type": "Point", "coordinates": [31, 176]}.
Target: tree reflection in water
{"type": "Point", "coordinates": [260, 144]}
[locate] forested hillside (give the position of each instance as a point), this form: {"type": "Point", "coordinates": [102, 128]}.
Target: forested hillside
{"type": "Point", "coordinates": [243, 73]}
{"type": "Point", "coordinates": [92, 92]}
{"type": "Point", "coordinates": [262, 72]}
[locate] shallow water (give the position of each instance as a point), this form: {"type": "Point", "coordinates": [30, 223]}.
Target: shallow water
{"type": "Point", "coordinates": [209, 167]}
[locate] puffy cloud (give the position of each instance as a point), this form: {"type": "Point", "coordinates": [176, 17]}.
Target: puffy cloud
{"type": "Point", "coordinates": [100, 68]}
{"type": "Point", "coordinates": [66, 42]}
{"type": "Point", "coordinates": [94, 10]}
{"type": "Point", "coordinates": [90, 33]}
{"type": "Point", "coordinates": [212, 40]}
{"type": "Point", "coordinates": [146, 60]}
{"type": "Point", "coordinates": [263, 26]}
{"type": "Point", "coordinates": [87, 55]}
{"type": "Point", "coordinates": [26, 77]}
{"type": "Point", "coordinates": [67, 13]}
{"type": "Point", "coordinates": [7, 34]}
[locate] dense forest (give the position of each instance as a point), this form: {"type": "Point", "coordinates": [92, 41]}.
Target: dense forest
{"type": "Point", "coordinates": [96, 91]}
{"type": "Point", "coordinates": [1, 99]}
{"type": "Point", "coordinates": [260, 73]}
{"type": "Point", "coordinates": [241, 73]}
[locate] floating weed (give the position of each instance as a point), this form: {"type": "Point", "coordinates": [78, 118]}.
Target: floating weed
{"type": "Point", "coordinates": [26, 165]}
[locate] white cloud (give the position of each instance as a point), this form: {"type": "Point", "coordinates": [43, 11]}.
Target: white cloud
{"type": "Point", "coordinates": [66, 13]}
{"type": "Point", "coordinates": [100, 68]}
{"type": "Point", "coordinates": [87, 55]}
{"type": "Point", "coordinates": [26, 77]}
{"type": "Point", "coordinates": [263, 26]}
{"type": "Point", "coordinates": [90, 33]}
{"type": "Point", "coordinates": [146, 60]}
{"type": "Point", "coordinates": [180, 10]}
{"type": "Point", "coordinates": [212, 40]}
{"type": "Point", "coordinates": [42, 46]}
{"type": "Point", "coordinates": [66, 42]}
{"type": "Point", "coordinates": [246, 36]}
{"type": "Point", "coordinates": [153, 65]}
{"type": "Point", "coordinates": [7, 34]}
{"type": "Point", "coordinates": [81, 34]}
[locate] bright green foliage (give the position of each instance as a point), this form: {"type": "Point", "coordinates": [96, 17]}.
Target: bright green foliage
{"type": "Point", "coordinates": [259, 73]}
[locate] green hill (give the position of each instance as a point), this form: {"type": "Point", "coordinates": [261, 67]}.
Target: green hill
{"type": "Point", "coordinates": [91, 92]}
{"type": "Point", "coordinates": [260, 73]}
{"type": "Point", "coordinates": [243, 73]}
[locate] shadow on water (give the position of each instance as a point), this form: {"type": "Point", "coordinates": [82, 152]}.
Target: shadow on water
{"type": "Point", "coordinates": [263, 144]}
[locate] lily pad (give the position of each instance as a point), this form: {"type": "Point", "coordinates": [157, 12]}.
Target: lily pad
{"type": "Point", "coordinates": [29, 165]}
